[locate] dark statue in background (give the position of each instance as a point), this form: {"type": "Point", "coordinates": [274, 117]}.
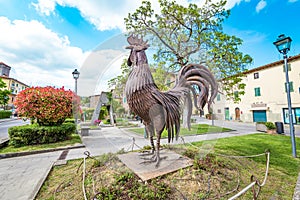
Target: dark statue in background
{"type": "Point", "coordinates": [160, 110]}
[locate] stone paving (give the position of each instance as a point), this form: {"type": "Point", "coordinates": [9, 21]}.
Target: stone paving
{"type": "Point", "coordinates": [21, 177]}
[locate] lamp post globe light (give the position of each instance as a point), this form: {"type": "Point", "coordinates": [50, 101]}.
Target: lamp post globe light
{"type": "Point", "coordinates": [283, 45]}
{"type": "Point", "coordinates": [75, 74]}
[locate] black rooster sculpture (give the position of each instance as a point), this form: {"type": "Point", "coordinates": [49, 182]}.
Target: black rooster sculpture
{"type": "Point", "coordinates": [160, 110]}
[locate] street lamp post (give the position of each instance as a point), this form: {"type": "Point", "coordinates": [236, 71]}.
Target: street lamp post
{"type": "Point", "coordinates": [75, 74]}
{"type": "Point", "coordinates": [283, 45]}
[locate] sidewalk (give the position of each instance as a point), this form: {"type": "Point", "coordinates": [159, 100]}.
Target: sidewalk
{"type": "Point", "coordinates": [21, 177]}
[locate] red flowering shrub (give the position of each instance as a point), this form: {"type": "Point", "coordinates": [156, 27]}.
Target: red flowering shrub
{"type": "Point", "coordinates": [47, 105]}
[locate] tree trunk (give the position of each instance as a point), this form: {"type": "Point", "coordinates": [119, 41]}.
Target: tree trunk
{"type": "Point", "coordinates": [186, 115]}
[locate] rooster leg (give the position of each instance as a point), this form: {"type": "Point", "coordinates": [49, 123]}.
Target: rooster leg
{"type": "Point", "coordinates": [150, 132]}
{"type": "Point", "coordinates": [157, 153]}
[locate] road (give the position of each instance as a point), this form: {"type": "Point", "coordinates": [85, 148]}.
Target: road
{"type": "Point", "coordinates": [4, 125]}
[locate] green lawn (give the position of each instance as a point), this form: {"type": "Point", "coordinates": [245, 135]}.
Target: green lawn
{"type": "Point", "coordinates": [196, 129]}
{"type": "Point", "coordinates": [284, 169]}
{"type": "Point", "coordinates": [75, 138]}
{"type": "Point", "coordinates": [212, 176]}
{"type": "Point", "coordinates": [278, 145]}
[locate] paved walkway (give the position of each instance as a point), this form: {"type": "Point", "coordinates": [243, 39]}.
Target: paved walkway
{"type": "Point", "coordinates": [21, 177]}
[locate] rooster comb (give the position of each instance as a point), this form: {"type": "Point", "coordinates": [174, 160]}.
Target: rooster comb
{"type": "Point", "coordinates": [137, 43]}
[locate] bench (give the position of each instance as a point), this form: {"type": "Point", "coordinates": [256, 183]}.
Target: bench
{"type": "Point", "coordinates": [84, 131]}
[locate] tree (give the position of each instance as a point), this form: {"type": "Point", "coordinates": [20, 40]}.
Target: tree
{"type": "Point", "coordinates": [160, 76]}
{"type": "Point", "coordinates": [184, 34]}
{"type": "Point", "coordinates": [47, 105]}
{"type": "Point", "coordinates": [159, 73]}
{"type": "Point", "coordinates": [118, 83]}
{"type": "Point", "coordinates": [4, 98]}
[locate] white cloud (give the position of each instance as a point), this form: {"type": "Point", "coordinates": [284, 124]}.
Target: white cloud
{"type": "Point", "coordinates": [107, 14]}
{"type": "Point", "coordinates": [38, 55]}
{"type": "Point", "coordinates": [99, 67]}
{"type": "Point", "coordinates": [45, 6]}
{"type": "Point", "coordinates": [104, 14]}
{"type": "Point", "coordinates": [229, 4]}
{"type": "Point", "coordinates": [102, 65]}
{"type": "Point", "coordinates": [261, 5]}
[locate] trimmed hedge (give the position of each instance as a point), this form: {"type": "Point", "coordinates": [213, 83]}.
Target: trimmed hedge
{"type": "Point", "coordinates": [5, 114]}
{"type": "Point", "coordinates": [34, 134]}
{"type": "Point", "coordinates": [270, 125]}
{"type": "Point", "coordinates": [70, 120]}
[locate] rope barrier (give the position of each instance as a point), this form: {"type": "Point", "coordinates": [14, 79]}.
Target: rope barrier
{"type": "Point", "coordinates": [252, 184]}
{"type": "Point", "coordinates": [133, 144]}
{"type": "Point", "coordinates": [256, 182]}
{"type": "Point", "coordinates": [87, 154]}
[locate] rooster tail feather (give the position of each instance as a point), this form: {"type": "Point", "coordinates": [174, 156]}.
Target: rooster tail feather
{"type": "Point", "coordinates": [190, 108]}
{"type": "Point", "coordinates": [202, 81]}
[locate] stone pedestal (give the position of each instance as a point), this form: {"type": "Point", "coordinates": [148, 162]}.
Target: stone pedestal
{"type": "Point", "coordinates": [84, 131]}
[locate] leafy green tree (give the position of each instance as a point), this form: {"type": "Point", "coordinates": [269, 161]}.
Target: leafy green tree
{"type": "Point", "coordinates": [160, 76]}
{"type": "Point", "coordinates": [103, 113]}
{"type": "Point", "coordinates": [4, 98]}
{"type": "Point", "coordinates": [193, 34]}
{"type": "Point", "coordinates": [118, 83]}
{"type": "Point", "coordinates": [159, 73]}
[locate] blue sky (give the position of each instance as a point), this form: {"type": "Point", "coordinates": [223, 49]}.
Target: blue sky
{"type": "Point", "coordinates": [45, 40]}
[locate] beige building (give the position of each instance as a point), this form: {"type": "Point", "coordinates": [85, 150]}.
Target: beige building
{"type": "Point", "coordinates": [265, 96]}
{"type": "Point", "coordinates": [12, 84]}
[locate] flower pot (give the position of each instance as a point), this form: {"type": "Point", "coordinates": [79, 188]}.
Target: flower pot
{"type": "Point", "coordinates": [271, 131]}
{"type": "Point", "coordinates": [261, 127]}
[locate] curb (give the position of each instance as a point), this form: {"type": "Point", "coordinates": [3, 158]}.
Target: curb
{"type": "Point", "coordinates": [26, 153]}
{"type": "Point", "coordinates": [297, 189]}
{"type": "Point", "coordinates": [8, 120]}
{"type": "Point", "coordinates": [38, 187]}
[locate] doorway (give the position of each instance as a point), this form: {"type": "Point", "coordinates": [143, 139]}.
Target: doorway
{"type": "Point", "coordinates": [237, 114]}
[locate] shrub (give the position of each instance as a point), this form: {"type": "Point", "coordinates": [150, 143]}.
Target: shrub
{"type": "Point", "coordinates": [70, 120]}
{"type": "Point", "coordinates": [270, 125]}
{"type": "Point", "coordinates": [103, 113]}
{"type": "Point", "coordinates": [34, 134]}
{"type": "Point", "coordinates": [88, 112]}
{"type": "Point", "coordinates": [47, 105]}
{"type": "Point", "coordinates": [260, 122]}
{"type": "Point", "coordinates": [5, 114]}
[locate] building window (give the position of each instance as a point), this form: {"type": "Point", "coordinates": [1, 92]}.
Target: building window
{"type": "Point", "coordinates": [236, 94]}
{"type": "Point", "coordinates": [291, 87]}
{"type": "Point", "coordinates": [218, 97]}
{"type": "Point", "coordinates": [289, 67]}
{"type": "Point", "coordinates": [295, 115]}
{"type": "Point", "coordinates": [257, 92]}
{"type": "Point", "coordinates": [256, 75]}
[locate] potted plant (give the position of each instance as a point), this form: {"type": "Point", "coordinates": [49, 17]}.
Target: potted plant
{"type": "Point", "coordinates": [261, 126]}
{"type": "Point", "coordinates": [271, 128]}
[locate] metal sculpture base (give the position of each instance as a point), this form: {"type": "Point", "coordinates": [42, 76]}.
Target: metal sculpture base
{"type": "Point", "coordinates": [173, 162]}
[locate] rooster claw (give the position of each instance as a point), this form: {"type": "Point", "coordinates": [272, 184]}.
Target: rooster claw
{"type": "Point", "coordinates": [153, 159]}
{"type": "Point", "coordinates": [146, 153]}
